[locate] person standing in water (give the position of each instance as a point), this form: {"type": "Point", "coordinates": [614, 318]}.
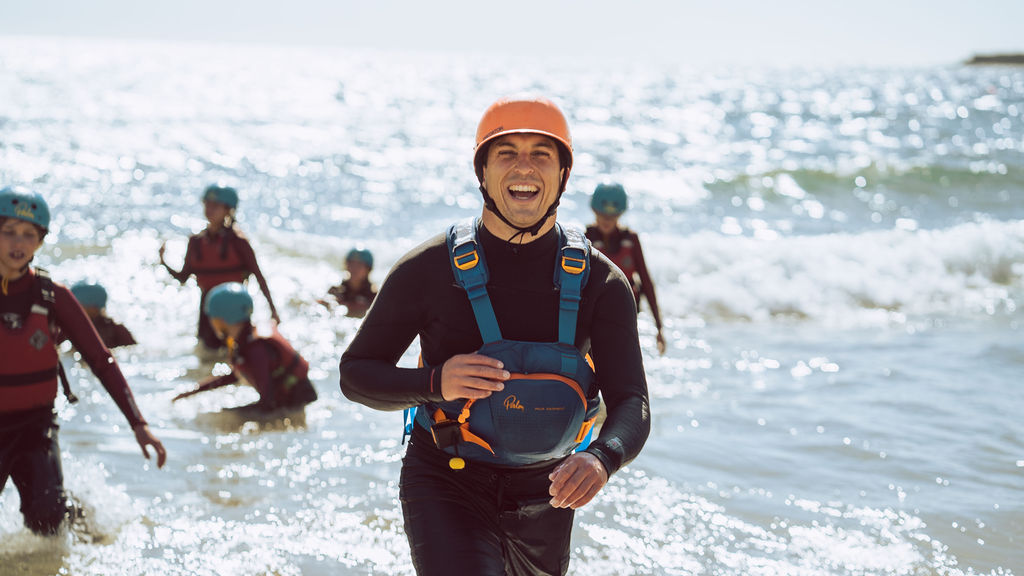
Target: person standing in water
{"type": "Point", "coordinates": [622, 246]}
{"type": "Point", "coordinates": [268, 362]}
{"type": "Point", "coordinates": [495, 467]}
{"type": "Point", "coordinates": [93, 298]}
{"type": "Point", "coordinates": [35, 311]}
{"type": "Point", "coordinates": [218, 254]}
{"type": "Point", "coordinates": [356, 292]}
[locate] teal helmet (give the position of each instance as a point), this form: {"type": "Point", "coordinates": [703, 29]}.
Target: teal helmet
{"type": "Point", "coordinates": [22, 204]}
{"type": "Point", "coordinates": [90, 294]}
{"type": "Point", "coordinates": [224, 194]}
{"type": "Point", "coordinates": [609, 199]}
{"type": "Point", "coordinates": [361, 254]}
{"type": "Point", "coordinates": [229, 302]}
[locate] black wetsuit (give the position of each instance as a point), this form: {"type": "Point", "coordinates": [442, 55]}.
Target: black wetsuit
{"type": "Point", "coordinates": [486, 519]}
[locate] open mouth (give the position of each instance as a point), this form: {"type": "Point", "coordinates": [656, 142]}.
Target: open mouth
{"type": "Point", "coordinates": [523, 191]}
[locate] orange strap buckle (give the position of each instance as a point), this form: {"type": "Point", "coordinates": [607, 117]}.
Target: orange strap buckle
{"type": "Point", "coordinates": [573, 265]}
{"type": "Point", "coordinates": [466, 261]}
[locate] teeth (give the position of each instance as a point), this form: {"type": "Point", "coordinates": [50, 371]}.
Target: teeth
{"type": "Point", "coordinates": [522, 188]}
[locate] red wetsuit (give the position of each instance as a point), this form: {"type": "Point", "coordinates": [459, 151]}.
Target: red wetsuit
{"type": "Point", "coordinates": [273, 367]}
{"type": "Point", "coordinates": [623, 248]}
{"type": "Point", "coordinates": [19, 354]}
{"type": "Point", "coordinates": [215, 258]}
{"type": "Point", "coordinates": [29, 453]}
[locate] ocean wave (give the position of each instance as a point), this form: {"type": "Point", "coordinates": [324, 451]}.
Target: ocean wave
{"type": "Point", "coordinates": [974, 268]}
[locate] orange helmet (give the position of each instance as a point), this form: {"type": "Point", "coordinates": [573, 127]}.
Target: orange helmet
{"type": "Point", "coordinates": [516, 116]}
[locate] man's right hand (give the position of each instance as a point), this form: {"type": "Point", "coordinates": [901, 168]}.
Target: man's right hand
{"type": "Point", "coordinates": [472, 376]}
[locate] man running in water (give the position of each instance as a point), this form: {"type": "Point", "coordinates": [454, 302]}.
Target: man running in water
{"type": "Point", "coordinates": [478, 502]}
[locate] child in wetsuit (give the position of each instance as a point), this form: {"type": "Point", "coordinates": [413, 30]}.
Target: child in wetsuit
{"type": "Point", "coordinates": [622, 246]}
{"type": "Point", "coordinates": [356, 292]}
{"type": "Point", "coordinates": [218, 254]}
{"type": "Point", "coordinates": [34, 311]}
{"type": "Point", "coordinates": [267, 362]}
{"type": "Point", "coordinates": [93, 298]}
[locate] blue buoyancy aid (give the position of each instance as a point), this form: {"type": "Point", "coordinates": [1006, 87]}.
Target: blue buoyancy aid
{"type": "Point", "coordinates": [547, 408]}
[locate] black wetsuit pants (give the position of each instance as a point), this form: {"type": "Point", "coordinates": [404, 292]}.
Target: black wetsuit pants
{"type": "Point", "coordinates": [30, 456]}
{"type": "Point", "coordinates": [481, 520]}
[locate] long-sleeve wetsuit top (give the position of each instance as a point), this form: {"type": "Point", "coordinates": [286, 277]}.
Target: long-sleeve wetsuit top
{"type": "Point", "coordinates": [208, 245]}
{"type": "Point", "coordinates": [421, 298]}
{"type": "Point", "coordinates": [622, 246]}
{"type": "Point", "coordinates": [74, 324]}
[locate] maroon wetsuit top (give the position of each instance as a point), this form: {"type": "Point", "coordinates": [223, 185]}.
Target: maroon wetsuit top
{"type": "Point", "coordinates": [267, 363]}
{"type": "Point", "coordinates": [73, 323]}
{"type": "Point", "coordinates": [356, 300]}
{"type": "Point", "coordinates": [622, 247]}
{"type": "Point", "coordinates": [218, 257]}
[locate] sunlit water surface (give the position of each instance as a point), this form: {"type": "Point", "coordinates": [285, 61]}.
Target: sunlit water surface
{"type": "Point", "coordinates": [838, 255]}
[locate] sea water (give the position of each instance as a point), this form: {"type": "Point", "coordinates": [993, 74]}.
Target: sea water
{"type": "Point", "coordinates": [838, 256]}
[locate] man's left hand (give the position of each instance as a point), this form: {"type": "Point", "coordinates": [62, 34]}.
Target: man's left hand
{"type": "Point", "coordinates": [576, 481]}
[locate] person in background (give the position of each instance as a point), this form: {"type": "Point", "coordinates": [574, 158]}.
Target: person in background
{"type": "Point", "coordinates": [218, 254]}
{"type": "Point", "coordinates": [356, 292]}
{"type": "Point", "coordinates": [35, 311]}
{"type": "Point", "coordinates": [506, 308]}
{"type": "Point", "coordinates": [622, 246]}
{"type": "Point", "coordinates": [267, 362]}
{"type": "Point", "coordinates": [93, 298]}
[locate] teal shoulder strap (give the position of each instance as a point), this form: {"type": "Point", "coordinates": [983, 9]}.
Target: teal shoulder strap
{"type": "Point", "coordinates": [572, 270]}
{"type": "Point", "coordinates": [467, 260]}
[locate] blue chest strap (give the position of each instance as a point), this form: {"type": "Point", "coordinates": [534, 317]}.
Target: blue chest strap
{"type": "Point", "coordinates": [470, 269]}
{"type": "Point", "coordinates": [571, 272]}
{"type": "Point", "coordinates": [570, 276]}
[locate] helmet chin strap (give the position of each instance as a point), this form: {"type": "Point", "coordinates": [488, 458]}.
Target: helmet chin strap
{"type": "Point", "coordinates": [522, 230]}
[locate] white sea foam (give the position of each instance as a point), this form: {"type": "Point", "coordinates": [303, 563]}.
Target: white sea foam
{"type": "Point", "coordinates": [844, 278]}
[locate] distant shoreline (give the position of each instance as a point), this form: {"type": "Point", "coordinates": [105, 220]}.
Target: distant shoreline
{"type": "Point", "coordinates": [1003, 59]}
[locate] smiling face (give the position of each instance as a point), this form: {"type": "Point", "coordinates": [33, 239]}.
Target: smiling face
{"type": "Point", "coordinates": [522, 174]}
{"type": "Point", "coordinates": [19, 241]}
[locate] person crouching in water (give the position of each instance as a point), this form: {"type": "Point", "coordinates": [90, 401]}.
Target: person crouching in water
{"type": "Point", "coordinates": [218, 254]}
{"type": "Point", "coordinates": [93, 298]}
{"type": "Point", "coordinates": [356, 292]}
{"type": "Point", "coordinates": [622, 246]}
{"type": "Point", "coordinates": [34, 310]}
{"type": "Point", "coordinates": [267, 362]}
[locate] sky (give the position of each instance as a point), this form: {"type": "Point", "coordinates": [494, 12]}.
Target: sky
{"type": "Point", "coordinates": [737, 32]}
